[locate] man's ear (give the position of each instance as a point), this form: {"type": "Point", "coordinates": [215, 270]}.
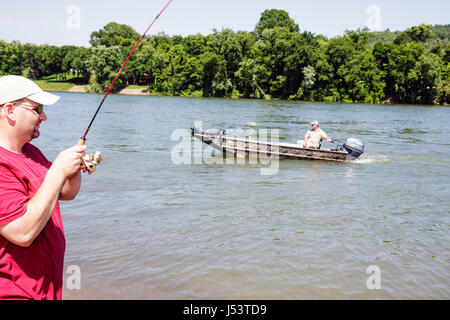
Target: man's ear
{"type": "Point", "coordinates": [9, 111]}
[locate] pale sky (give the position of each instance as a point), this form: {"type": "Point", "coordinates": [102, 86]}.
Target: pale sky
{"type": "Point", "coordinates": [72, 21]}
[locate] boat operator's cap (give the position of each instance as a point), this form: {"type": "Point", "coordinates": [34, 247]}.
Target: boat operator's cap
{"type": "Point", "coordinates": [13, 88]}
{"type": "Point", "coordinates": [314, 122]}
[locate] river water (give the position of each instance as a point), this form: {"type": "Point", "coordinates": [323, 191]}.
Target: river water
{"type": "Point", "coordinates": [148, 226]}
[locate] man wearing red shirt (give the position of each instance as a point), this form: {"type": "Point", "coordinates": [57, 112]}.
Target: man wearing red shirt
{"type": "Point", "coordinates": [32, 241]}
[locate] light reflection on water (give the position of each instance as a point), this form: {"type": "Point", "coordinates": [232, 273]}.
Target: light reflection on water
{"type": "Point", "coordinates": [145, 228]}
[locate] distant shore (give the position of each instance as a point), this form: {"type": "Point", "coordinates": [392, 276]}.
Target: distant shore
{"type": "Point", "coordinates": [142, 91]}
{"type": "Point", "coordinates": [72, 87]}
{"type": "Point", "coordinates": [127, 91]}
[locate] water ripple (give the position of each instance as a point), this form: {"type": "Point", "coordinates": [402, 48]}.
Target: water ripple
{"type": "Point", "coordinates": [145, 228]}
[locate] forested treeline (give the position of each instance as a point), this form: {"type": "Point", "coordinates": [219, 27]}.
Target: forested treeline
{"type": "Point", "coordinates": [275, 61]}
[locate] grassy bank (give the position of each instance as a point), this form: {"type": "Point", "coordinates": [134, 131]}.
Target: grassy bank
{"type": "Point", "coordinates": [75, 84]}
{"type": "Point", "coordinates": [53, 83]}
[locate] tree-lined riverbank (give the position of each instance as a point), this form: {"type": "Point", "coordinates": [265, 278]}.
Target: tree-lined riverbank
{"type": "Point", "coordinates": [275, 61]}
{"type": "Point", "coordinates": [52, 84]}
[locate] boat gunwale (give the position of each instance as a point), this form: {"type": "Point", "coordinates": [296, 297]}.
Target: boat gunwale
{"type": "Point", "coordinates": [279, 154]}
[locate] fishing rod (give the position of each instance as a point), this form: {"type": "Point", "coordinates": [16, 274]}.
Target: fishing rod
{"type": "Point", "coordinates": [91, 161]}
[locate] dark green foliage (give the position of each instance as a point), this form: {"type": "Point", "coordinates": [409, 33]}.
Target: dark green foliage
{"type": "Point", "coordinates": [442, 31]}
{"type": "Point", "coordinates": [275, 61]}
{"type": "Point", "coordinates": [114, 34]}
{"type": "Point", "coordinates": [273, 18]}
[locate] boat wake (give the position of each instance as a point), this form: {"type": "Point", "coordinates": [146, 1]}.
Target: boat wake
{"type": "Point", "coordinates": [368, 158]}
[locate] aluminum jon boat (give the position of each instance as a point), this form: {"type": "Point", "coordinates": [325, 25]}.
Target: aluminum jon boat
{"type": "Point", "coordinates": [350, 150]}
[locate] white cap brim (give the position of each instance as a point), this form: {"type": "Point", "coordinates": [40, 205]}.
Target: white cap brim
{"type": "Point", "coordinates": [13, 88]}
{"type": "Point", "coordinates": [43, 97]}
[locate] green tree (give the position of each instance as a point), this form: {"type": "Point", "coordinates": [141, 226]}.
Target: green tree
{"type": "Point", "coordinates": [309, 79]}
{"type": "Point", "coordinates": [177, 61]}
{"type": "Point", "coordinates": [30, 61]}
{"type": "Point", "coordinates": [250, 77]}
{"type": "Point", "coordinates": [215, 79]}
{"type": "Point", "coordinates": [70, 53]}
{"type": "Point", "coordinates": [425, 79]}
{"type": "Point", "coordinates": [361, 78]}
{"type": "Point", "coordinates": [226, 44]}
{"type": "Point", "coordinates": [280, 52]}
{"type": "Point", "coordinates": [193, 75]}
{"type": "Point", "coordinates": [275, 18]}
{"type": "Point", "coordinates": [421, 33]}
{"type": "Point", "coordinates": [273, 61]}
{"type": "Point", "coordinates": [404, 77]}
{"type": "Point", "coordinates": [104, 62]}
{"type": "Point", "coordinates": [195, 45]}
{"type": "Point", "coordinates": [49, 59]}
{"type": "Point", "coordinates": [114, 34]}
{"type": "Point", "coordinates": [442, 31]}
{"type": "Point", "coordinates": [444, 90]}
{"type": "Point", "coordinates": [355, 72]}
{"type": "Point", "coordinates": [10, 58]}
{"type": "Point", "coordinates": [301, 54]}
{"type": "Point", "coordinates": [338, 52]}
{"type": "Point", "coordinates": [79, 62]}
{"type": "Point", "coordinates": [322, 89]}
{"type": "Point", "coordinates": [386, 62]}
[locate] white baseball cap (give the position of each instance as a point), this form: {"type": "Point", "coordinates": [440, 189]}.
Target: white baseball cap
{"type": "Point", "coordinates": [14, 88]}
{"type": "Point", "coordinates": [314, 122]}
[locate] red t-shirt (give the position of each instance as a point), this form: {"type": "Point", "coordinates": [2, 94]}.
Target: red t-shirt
{"type": "Point", "coordinates": [34, 272]}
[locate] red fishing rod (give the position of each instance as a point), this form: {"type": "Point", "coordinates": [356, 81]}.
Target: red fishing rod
{"type": "Point", "coordinates": [83, 138]}
{"type": "Point", "coordinates": [89, 162]}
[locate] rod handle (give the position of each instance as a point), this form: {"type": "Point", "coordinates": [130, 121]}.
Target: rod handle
{"type": "Point", "coordinates": [81, 142]}
{"type": "Point", "coordinates": [84, 166]}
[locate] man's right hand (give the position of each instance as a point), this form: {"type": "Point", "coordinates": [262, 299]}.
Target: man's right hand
{"type": "Point", "coordinates": [68, 162]}
{"type": "Point", "coordinates": [23, 230]}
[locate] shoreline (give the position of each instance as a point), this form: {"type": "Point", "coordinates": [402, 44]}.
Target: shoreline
{"type": "Point", "coordinates": [125, 91]}
{"type": "Point", "coordinates": [146, 92]}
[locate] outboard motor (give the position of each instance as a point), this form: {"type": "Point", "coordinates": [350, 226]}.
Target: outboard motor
{"type": "Point", "coordinates": [354, 147]}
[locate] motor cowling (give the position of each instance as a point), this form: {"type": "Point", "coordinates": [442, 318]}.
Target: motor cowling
{"type": "Point", "coordinates": [354, 147]}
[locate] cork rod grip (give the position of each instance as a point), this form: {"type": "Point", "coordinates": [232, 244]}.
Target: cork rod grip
{"type": "Point", "coordinates": [81, 142]}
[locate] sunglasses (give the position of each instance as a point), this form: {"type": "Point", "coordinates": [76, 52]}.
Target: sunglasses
{"type": "Point", "coordinates": [37, 109]}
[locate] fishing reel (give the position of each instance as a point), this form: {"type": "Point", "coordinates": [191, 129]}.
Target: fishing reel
{"type": "Point", "coordinates": [90, 161]}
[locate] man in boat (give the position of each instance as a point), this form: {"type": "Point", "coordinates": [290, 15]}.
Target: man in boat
{"type": "Point", "coordinates": [313, 138]}
{"type": "Point", "coordinates": [32, 241]}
